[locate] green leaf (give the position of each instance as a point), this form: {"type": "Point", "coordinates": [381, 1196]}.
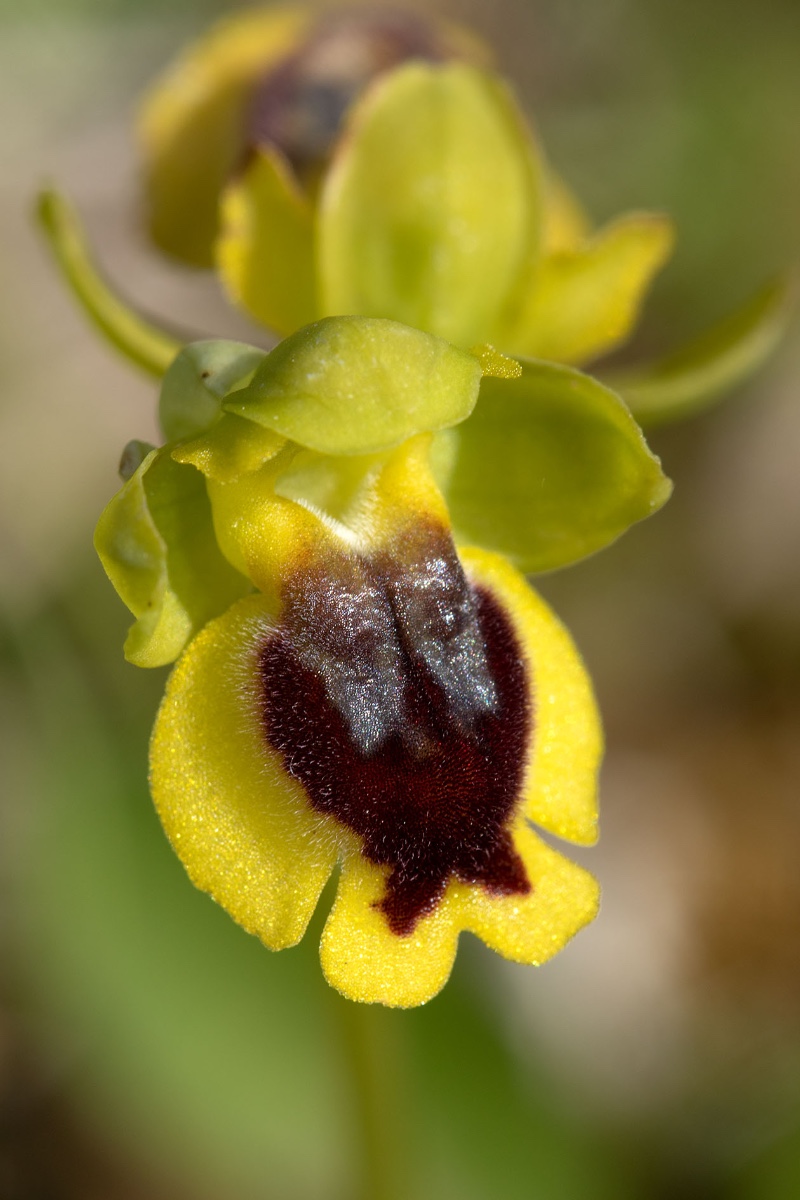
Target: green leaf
{"type": "Point", "coordinates": [584, 301]}
{"type": "Point", "coordinates": [265, 251]}
{"type": "Point", "coordinates": [196, 382]}
{"type": "Point", "coordinates": [430, 210]}
{"type": "Point", "coordinates": [156, 542]}
{"type": "Point", "coordinates": [355, 385]}
{"type": "Point", "coordinates": [720, 359]}
{"type": "Point", "coordinates": [139, 340]}
{"type": "Point", "coordinates": [549, 468]}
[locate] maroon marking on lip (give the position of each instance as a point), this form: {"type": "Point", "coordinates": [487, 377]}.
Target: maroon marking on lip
{"type": "Point", "coordinates": [431, 794]}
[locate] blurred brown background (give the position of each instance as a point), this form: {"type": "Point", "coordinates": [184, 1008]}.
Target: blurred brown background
{"type": "Point", "coordinates": [147, 1046]}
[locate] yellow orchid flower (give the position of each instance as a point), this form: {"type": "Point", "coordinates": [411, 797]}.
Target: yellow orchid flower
{"type": "Point", "coordinates": [355, 684]}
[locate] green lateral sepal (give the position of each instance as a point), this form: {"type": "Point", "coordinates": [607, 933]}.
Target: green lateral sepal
{"type": "Point", "coordinates": [156, 542]}
{"type": "Point", "coordinates": [550, 467]}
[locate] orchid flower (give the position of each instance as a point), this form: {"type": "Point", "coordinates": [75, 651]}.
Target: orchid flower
{"type": "Point", "coordinates": [356, 684]}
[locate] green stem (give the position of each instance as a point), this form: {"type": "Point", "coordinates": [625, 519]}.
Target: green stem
{"type": "Point", "coordinates": [139, 340]}
{"type": "Point", "coordinates": [374, 1075]}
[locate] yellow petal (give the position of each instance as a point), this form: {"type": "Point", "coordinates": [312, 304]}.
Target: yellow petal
{"type": "Point", "coordinates": [265, 250]}
{"type": "Point", "coordinates": [565, 224]}
{"type": "Point", "coordinates": [531, 929]}
{"type": "Point", "coordinates": [365, 961]}
{"type": "Point", "coordinates": [240, 824]}
{"type": "Point", "coordinates": [192, 125]}
{"type": "Point", "coordinates": [560, 786]}
{"type": "Point", "coordinates": [583, 302]}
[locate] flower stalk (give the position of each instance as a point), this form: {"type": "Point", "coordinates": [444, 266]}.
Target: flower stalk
{"type": "Point", "coordinates": [377, 1089]}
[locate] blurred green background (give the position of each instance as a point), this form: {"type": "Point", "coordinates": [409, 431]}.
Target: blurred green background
{"type": "Point", "coordinates": [150, 1048]}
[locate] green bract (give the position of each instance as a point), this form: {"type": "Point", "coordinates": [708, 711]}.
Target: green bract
{"type": "Point", "coordinates": [156, 542]}
{"type": "Point", "coordinates": [549, 468]}
{"type": "Point", "coordinates": [352, 385]}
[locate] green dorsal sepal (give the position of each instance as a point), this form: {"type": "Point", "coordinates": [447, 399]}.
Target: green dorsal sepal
{"type": "Point", "coordinates": [356, 385]}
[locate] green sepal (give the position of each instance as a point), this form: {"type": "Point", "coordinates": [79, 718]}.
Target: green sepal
{"type": "Point", "coordinates": [196, 383]}
{"type": "Point", "coordinates": [720, 359]}
{"type": "Point", "coordinates": [156, 542]}
{"type": "Point", "coordinates": [549, 468]}
{"type": "Point", "coordinates": [430, 211]}
{"type": "Point", "coordinates": [139, 340]}
{"type": "Point", "coordinates": [357, 385]}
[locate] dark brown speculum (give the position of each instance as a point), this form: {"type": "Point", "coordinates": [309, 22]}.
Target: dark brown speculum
{"type": "Point", "coordinates": [396, 694]}
{"type": "Point", "coordinates": [298, 106]}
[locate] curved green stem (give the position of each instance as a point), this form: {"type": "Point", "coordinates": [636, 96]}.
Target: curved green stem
{"type": "Point", "coordinates": [140, 341]}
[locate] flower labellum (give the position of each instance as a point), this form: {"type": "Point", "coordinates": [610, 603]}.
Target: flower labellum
{"type": "Point", "coordinates": [393, 706]}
